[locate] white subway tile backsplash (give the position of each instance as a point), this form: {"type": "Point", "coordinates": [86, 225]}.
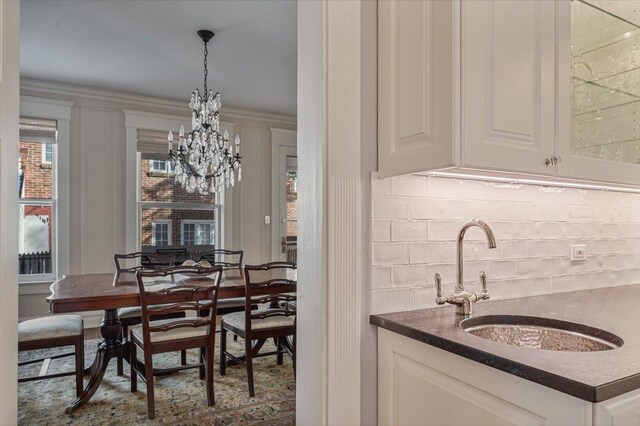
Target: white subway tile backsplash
{"type": "Point", "coordinates": [409, 275]}
{"type": "Point", "coordinates": [390, 254]}
{"type": "Point", "coordinates": [411, 185]}
{"type": "Point", "coordinates": [431, 252]}
{"type": "Point", "coordinates": [416, 219]}
{"type": "Point", "coordinates": [389, 207]}
{"type": "Point", "coordinates": [381, 277]}
{"type": "Point", "coordinates": [409, 230]}
{"type": "Point", "coordinates": [394, 300]}
{"type": "Point", "coordinates": [380, 231]}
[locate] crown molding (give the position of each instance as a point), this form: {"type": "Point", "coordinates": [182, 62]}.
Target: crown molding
{"type": "Point", "coordinates": [51, 88]}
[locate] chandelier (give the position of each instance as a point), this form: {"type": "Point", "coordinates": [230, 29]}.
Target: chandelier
{"type": "Point", "coordinates": [205, 161]}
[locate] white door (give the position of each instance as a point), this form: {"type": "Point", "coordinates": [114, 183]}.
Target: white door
{"type": "Point", "coordinates": [508, 85]}
{"type": "Point", "coordinates": [285, 215]}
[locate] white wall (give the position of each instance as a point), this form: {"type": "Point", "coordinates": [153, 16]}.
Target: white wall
{"type": "Point", "coordinates": [415, 221]}
{"type": "Point", "coordinates": [97, 181]}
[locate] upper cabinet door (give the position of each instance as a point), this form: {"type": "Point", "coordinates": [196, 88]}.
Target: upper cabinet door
{"type": "Point", "coordinates": [599, 91]}
{"type": "Point", "coordinates": [416, 77]}
{"type": "Point", "coordinates": [508, 85]}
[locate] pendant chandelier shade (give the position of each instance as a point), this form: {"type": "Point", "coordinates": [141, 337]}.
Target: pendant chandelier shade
{"type": "Point", "coordinates": [205, 161]}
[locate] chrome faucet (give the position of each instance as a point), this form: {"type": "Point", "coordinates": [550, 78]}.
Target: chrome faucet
{"type": "Point", "coordinates": [460, 297]}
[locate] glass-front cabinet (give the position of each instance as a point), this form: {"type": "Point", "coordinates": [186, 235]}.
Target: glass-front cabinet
{"type": "Point", "coordinates": [605, 91]}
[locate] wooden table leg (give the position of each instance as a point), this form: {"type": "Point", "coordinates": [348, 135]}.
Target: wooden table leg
{"type": "Point", "coordinates": [111, 347]}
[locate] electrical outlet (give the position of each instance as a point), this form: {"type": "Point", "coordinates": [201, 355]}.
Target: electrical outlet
{"type": "Point", "coordinates": [578, 252]}
{"type": "Point", "coordinates": [267, 220]}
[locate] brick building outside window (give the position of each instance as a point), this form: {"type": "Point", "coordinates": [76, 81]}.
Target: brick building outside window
{"type": "Point", "coordinates": [170, 216]}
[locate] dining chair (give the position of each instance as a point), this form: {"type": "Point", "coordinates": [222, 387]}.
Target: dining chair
{"type": "Point", "coordinates": [52, 332]}
{"type": "Point", "coordinates": [186, 290]}
{"type": "Point", "coordinates": [272, 284]}
{"type": "Point", "coordinates": [228, 259]}
{"type": "Point", "coordinates": [130, 316]}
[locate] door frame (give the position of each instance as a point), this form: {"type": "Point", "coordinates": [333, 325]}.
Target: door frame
{"type": "Point", "coordinates": [281, 139]}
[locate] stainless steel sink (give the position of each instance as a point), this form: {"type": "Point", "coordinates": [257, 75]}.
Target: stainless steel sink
{"type": "Point", "coordinates": [541, 333]}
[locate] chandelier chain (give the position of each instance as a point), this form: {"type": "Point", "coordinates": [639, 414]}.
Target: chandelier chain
{"type": "Point", "coordinates": [206, 72]}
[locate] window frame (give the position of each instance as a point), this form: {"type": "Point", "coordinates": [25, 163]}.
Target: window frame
{"type": "Point", "coordinates": [218, 207]}
{"type": "Point", "coordinates": [44, 153]}
{"type": "Point", "coordinates": [53, 203]}
{"type": "Point", "coordinates": [167, 222]}
{"type": "Point", "coordinates": [168, 167]}
{"type": "Point", "coordinates": [197, 223]}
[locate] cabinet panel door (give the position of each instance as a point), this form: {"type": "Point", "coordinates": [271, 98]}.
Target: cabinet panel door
{"type": "Point", "coordinates": [508, 84]}
{"type": "Point", "coordinates": [419, 384]}
{"type": "Point", "coordinates": [623, 410]}
{"type": "Point", "coordinates": [415, 85]}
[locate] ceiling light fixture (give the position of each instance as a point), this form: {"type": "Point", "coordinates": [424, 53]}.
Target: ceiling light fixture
{"type": "Point", "coordinates": [205, 161]}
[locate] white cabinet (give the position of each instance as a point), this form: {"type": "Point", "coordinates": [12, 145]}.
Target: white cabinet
{"type": "Point", "coordinates": [419, 384]}
{"type": "Point", "coordinates": [416, 85]}
{"type": "Point", "coordinates": [490, 85]}
{"type": "Point", "coordinates": [508, 85]}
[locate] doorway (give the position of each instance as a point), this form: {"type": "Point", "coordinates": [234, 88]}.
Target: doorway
{"type": "Point", "coordinates": [285, 204]}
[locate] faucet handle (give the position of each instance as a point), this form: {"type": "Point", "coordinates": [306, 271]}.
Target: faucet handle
{"type": "Point", "coordinates": [485, 292]}
{"type": "Point", "coordinates": [439, 299]}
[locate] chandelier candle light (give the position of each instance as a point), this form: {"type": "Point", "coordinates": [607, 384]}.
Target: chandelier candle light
{"type": "Point", "coordinates": [205, 161]}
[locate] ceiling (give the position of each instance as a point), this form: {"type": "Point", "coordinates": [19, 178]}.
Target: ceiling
{"type": "Point", "coordinates": [150, 47]}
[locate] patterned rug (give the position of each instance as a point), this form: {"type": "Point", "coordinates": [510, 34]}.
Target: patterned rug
{"type": "Point", "coordinates": [180, 398]}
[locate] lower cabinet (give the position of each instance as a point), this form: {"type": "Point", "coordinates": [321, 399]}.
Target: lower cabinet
{"type": "Point", "coordinates": [419, 384]}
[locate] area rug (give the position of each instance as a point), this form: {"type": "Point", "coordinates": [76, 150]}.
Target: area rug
{"type": "Point", "coordinates": [180, 398]}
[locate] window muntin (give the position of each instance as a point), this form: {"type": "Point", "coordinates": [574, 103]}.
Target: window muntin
{"type": "Point", "coordinates": [161, 233]}
{"type": "Point", "coordinates": [47, 153]}
{"type": "Point", "coordinates": [198, 233]}
{"type": "Point", "coordinates": [160, 166]}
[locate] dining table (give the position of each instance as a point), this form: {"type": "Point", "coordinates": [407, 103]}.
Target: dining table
{"type": "Point", "coordinates": [111, 291]}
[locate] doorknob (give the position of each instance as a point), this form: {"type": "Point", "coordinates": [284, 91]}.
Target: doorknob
{"type": "Point", "coordinates": [283, 244]}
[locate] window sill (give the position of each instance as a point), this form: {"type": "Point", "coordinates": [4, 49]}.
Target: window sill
{"type": "Point", "coordinates": [45, 166]}
{"type": "Point", "coordinates": [160, 174]}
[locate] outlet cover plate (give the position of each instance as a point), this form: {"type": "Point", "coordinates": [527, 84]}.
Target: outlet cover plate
{"type": "Point", "coordinates": [578, 252]}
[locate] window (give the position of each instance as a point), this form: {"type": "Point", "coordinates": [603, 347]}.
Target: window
{"type": "Point", "coordinates": [37, 199]}
{"type": "Point", "coordinates": [47, 153]}
{"type": "Point", "coordinates": [198, 233]}
{"type": "Point", "coordinates": [160, 166]}
{"type": "Point", "coordinates": [196, 218]}
{"type": "Point", "coordinates": [161, 233]}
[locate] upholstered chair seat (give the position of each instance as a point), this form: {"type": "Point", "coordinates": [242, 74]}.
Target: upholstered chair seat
{"type": "Point", "coordinates": [237, 320]}
{"type": "Point", "coordinates": [175, 334]}
{"type": "Point", "coordinates": [50, 327]}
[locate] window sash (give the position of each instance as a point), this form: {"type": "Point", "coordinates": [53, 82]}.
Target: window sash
{"type": "Point", "coordinates": [198, 232]}
{"type": "Point", "coordinates": [52, 249]}
{"type": "Point", "coordinates": [161, 229]}
{"type": "Point", "coordinates": [146, 204]}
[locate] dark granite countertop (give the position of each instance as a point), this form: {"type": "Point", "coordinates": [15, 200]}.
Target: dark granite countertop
{"type": "Point", "coordinates": [591, 376]}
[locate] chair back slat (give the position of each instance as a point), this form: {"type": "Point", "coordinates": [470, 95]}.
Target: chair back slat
{"type": "Point", "coordinates": [143, 261]}
{"type": "Point", "coordinates": [228, 259]}
{"type": "Point", "coordinates": [274, 283]}
{"type": "Point", "coordinates": [178, 289]}
{"type": "Point", "coordinates": [182, 323]}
